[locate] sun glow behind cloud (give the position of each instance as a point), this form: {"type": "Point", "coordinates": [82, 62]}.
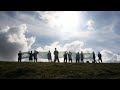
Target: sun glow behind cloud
{"type": "Point", "coordinates": [69, 21]}
{"type": "Point", "coordinates": [69, 24]}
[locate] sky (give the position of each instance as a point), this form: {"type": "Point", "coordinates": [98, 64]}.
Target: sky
{"type": "Point", "coordinates": [75, 31]}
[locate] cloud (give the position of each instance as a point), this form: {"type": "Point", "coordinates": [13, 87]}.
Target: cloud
{"type": "Point", "coordinates": [49, 24]}
{"type": "Point", "coordinates": [13, 39]}
{"type": "Point", "coordinates": [74, 46]}
{"type": "Point", "coordinates": [109, 57]}
{"type": "Point", "coordinates": [91, 25]}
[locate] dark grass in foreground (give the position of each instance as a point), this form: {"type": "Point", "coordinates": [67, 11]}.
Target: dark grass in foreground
{"type": "Point", "coordinates": [42, 70]}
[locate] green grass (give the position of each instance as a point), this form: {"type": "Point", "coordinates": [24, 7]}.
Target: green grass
{"type": "Point", "coordinates": [42, 70]}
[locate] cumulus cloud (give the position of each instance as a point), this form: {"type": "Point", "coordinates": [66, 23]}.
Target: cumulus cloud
{"type": "Point", "coordinates": [74, 46]}
{"type": "Point", "coordinates": [13, 39]}
{"type": "Point", "coordinates": [109, 57]}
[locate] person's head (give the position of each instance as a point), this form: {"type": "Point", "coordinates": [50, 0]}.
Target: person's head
{"type": "Point", "coordinates": [55, 49]}
{"type": "Point", "coordinates": [34, 50]}
{"type": "Point", "coordinates": [93, 52]}
{"type": "Point", "coordinates": [49, 51]}
{"type": "Point", "coordinates": [19, 51]}
{"type": "Point", "coordinates": [78, 52]}
{"type": "Point", "coordinates": [98, 52]}
{"type": "Point", "coordinates": [31, 51]}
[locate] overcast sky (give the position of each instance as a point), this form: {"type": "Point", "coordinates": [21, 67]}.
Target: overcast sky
{"type": "Point", "coordinates": [66, 30]}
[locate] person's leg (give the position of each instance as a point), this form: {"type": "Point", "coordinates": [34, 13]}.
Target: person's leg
{"type": "Point", "coordinates": [36, 59]}
{"type": "Point", "coordinates": [65, 60]}
{"type": "Point", "coordinates": [58, 59]}
{"type": "Point", "coordinates": [55, 59]}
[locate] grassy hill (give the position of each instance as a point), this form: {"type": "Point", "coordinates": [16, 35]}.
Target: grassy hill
{"type": "Point", "coordinates": [42, 70]}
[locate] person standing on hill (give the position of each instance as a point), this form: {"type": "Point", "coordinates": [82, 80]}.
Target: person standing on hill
{"type": "Point", "coordinates": [94, 61]}
{"type": "Point", "coordinates": [65, 56]}
{"type": "Point", "coordinates": [56, 55]}
{"type": "Point", "coordinates": [70, 56]}
{"type": "Point", "coordinates": [30, 56]}
{"type": "Point", "coordinates": [82, 57]}
{"type": "Point", "coordinates": [49, 56]}
{"type": "Point", "coordinates": [19, 56]}
{"type": "Point", "coordinates": [99, 57]}
{"type": "Point", "coordinates": [77, 57]}
{"type": "Point", "coordinates": [35, 55]}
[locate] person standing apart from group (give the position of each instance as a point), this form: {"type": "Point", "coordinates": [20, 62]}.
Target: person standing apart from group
{"type": "Point", "coordinates": [19, 56]}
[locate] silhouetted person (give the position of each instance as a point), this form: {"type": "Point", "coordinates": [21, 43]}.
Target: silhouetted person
{"type": "Point", "coordinates": [70, 56]}
{"type": "Point", "coordinates": [99, 57]}
{"type": "Point", "coordinates": [77, 57]}
{"type": "Point", "coordinates": [65, 56]}
{"type": "Point", "coordinates": [94, 61]}
{"type": "Point", "coordinates": [19, 56]}
{"type": "Point", "coordinates": [49, 56]}
{"type": "Point", "coordinates": [35, 55]}
{"type": "Point", "coordinates": [82, 57]}
{"type": "Point", "coordinates": [56, 55]}
{"type": "Point", "coordinates": [30, 56]}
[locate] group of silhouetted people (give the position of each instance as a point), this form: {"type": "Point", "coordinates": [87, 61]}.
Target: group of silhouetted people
{"type": "Point", "coordinates": [99, 58]}
{"type": "Point", "coordinates": [79, 57]}
{"type": "Point", "coordinates": [31, 56]}
{"type": "Point", "coordinates": [67, 55]}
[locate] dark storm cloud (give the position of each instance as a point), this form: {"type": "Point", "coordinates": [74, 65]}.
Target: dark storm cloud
{"type": "Point", "coordinates": [12, 40]}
